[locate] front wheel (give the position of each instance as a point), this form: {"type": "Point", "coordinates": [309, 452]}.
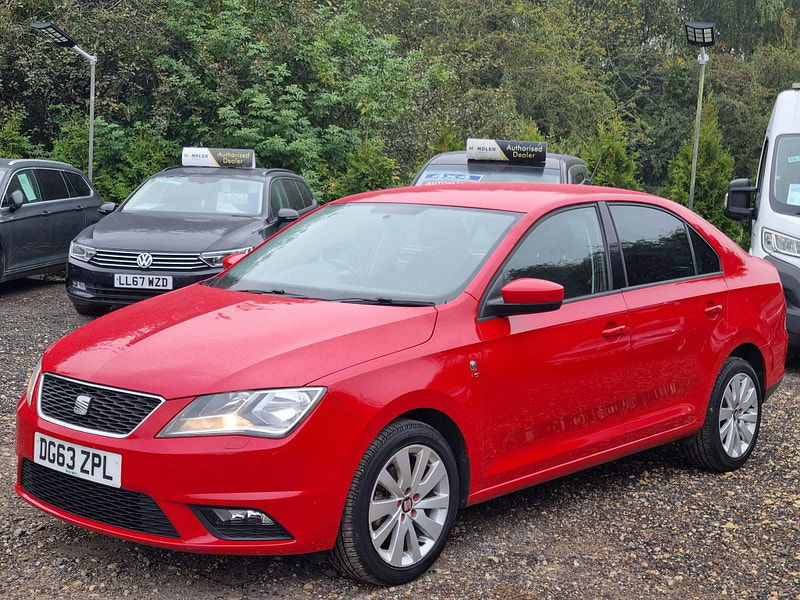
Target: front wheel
{"type": "Point", "coordinates": [400, 508]}
{"type": "Point", "coordinates": [732, 422]}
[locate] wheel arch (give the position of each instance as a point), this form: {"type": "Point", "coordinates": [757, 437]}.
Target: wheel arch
{"type": "Point", "coordinates": [451, 432]}
{"type": "Point", "coordinates": [750, 352]}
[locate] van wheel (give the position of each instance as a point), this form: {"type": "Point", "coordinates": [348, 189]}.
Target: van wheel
{"type": "Point", "coordinates": [400, 508]}
{"type": "Point", "coordinates": [732, 422]}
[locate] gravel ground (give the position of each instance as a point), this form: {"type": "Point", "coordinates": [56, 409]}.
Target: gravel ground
{"type": "Point", "coordinates": [642, 527]}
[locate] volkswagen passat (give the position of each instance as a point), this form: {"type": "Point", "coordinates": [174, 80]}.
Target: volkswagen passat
{"type": "Point", "coordinates": [394, 356]}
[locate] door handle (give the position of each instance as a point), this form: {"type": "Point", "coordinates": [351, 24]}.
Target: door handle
{"type": "Point", "coordinates": [45, 212]}
{"type": "Point", "coordinates": [79, 207]}
{"type": "Point", "coordinates": [713, 310]}
{"type": "Point", "coordinates": [613, 332]}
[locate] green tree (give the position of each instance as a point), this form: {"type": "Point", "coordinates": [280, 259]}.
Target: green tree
{"type": "Point", "coordinates": [14, 143]}
{"type": "Point", "coordinates": [369, 168]}
{"type": "Point", "coordinates": [609, 146]}
{"type": "Point", "coordinates": [714, 171]}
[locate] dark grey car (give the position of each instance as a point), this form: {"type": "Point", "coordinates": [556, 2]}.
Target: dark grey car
{"type": "Point", "coordinates": [43, 206]}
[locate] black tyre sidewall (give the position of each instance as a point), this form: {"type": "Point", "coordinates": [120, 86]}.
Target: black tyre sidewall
{"type": "Point", "coordinates": [729, 371]}
{"type": "Point", "coordinates": [420, 435]}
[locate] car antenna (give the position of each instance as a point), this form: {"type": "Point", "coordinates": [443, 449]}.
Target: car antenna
{"type": "Point", "coordinates": [594, 171]}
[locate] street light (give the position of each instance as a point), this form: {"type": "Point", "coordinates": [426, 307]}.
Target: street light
{"type": "Point", "coordinates": [698, 34]}
{"type": "Point", "coordinates": [63, 39]}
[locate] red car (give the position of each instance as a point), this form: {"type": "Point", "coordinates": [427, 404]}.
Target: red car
{"type": "Point", "coordinates": [394, 356]}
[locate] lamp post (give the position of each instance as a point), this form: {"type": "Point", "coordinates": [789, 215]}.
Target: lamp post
{"type": "Point", "coordinates": [63, 39]}
{"type": "Point", "coordinates": [698, 34]}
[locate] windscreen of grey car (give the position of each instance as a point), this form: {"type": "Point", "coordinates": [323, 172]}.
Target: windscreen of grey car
{"type": "Point", "coordinates": [483, 173]}
{"type": "Point", "coordinates": [374, 252]}
{"type": "Point", "coordinates": [204, 194]}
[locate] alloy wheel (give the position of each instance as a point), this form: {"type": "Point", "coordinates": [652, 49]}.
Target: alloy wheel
{"type": "Point", "coordinates": [409, 505]}
{"type": "Point", "coordinates": [738, 415]}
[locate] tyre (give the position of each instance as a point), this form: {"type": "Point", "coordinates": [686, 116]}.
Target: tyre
{"type": "Point", "coordinates": [733, 419]}
{"type": "Point", "coordinates": [400, 508]}
{"type": "Point", "coordinates": [88, 310]}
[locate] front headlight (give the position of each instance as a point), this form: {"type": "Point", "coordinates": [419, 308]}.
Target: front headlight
{"type": "Point", "coordinates": [775, 242]}
{"type": "Point", "coordinates": [214, 259]}
{"type": "Point", "coordinates": [265, 413]}
{"type": "Point", "coordinates": [32, 381]}
{"type": "Point", "coordinates": [81, 252]}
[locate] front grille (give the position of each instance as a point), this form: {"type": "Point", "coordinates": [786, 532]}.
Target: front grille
{"type": "Point", "coordinates": [164, 261]}
{"type": "Point", "coordinates": [112, 506]}
{"type": "Point", "coordinates": [111, 411]}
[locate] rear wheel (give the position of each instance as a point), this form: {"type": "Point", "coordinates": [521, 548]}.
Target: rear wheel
{"type": "Point", "coordinates": [732, 421]}
{"type": "Point", "coordinates": [401, 506]}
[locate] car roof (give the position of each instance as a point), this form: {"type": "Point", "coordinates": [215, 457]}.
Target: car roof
{"type": "Point", "coordinates": [460, 158]}
{"type": "Point", "coordinates": [35, 162]}
{"type": "Point", "coordinates": [515, 197]}
{"type": "Point", "coordinates": [257, 173]}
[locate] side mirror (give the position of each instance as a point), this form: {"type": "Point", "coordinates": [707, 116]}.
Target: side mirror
{"type": "Point", "coordinates": [527, 296]}
{"type": "Point", "coordinates": [288, 214]}
{"type": "Point", "coordinates": [232, 259]}
{"type": "Point", "coordinates": [17, 200]}
{"type": "Point", "coordinates": [738, 200]}
{"type": "Point", "coordinates": [106, 208]}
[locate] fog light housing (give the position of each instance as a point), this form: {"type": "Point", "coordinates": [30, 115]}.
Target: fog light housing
{"type": "Point", "coordinates": [239, 523]}
{"type": "Point", "coordinates": [79, 285]}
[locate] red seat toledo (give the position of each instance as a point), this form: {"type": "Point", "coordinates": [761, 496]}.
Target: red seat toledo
{"type": "Point", "coordinates": [394, 356]}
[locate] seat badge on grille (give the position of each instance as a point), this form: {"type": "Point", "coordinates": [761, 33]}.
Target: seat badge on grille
{"type": "Point", "coordinates": [82, 405]}
{"type": "Point", "coordinates": [144, 260]}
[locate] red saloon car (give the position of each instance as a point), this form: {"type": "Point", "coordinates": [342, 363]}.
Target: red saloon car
{"type": "Point", "coordinates": [394, 356]}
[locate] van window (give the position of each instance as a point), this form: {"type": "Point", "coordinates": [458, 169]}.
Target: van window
{"type": "Point", "coordinates": [786, 171]}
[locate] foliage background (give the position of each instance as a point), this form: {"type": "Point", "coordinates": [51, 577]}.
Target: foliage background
{"type": "Point", "coordinates": [356, 94]}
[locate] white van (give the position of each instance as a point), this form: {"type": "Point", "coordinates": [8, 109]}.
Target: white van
{"type": "Point", "coordinates": [773, 206]}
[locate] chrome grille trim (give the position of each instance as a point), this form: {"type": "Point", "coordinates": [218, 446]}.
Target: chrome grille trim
{"type": "Point", "coordinates": [180, 261]}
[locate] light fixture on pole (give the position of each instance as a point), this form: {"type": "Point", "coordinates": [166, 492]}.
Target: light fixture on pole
{"type": "Point", "coordinates": [698, 34]}
{"type": "Point", "coordinates": [63, 39]}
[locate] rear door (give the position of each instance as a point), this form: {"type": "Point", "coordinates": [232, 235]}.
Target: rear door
{"type": "Point", "coordinates": [556, 381]}
{"type": "Point", "coordinates": [87, 200]}
{"type": "Point", "coordinates": [26, 232]}
{"type": "Point", "coordinates": [66, 213]}
{"type": "Point", "coordinates": [676, 296]}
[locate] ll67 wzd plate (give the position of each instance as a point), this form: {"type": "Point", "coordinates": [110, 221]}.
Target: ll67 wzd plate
{"type": "Point", "coordinates": [87, 463]}
{"type": "Point", "coordinates": [143, 282]}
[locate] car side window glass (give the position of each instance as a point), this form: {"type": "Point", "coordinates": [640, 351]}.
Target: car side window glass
{"type": "Point", "coordinates": [308, 197]}
{"type": "Point", "coordinates": [277, 197]}
{"type": "Point", "coordinates": [706, 259]}
{"type": "Point", "coordinates": [293, 194]}
{"type": "Point", "coordinates": [566, 248]}
{"type": "Point", "coordinates": [26, 183]}
{"type": "Point", "coordinates": [51, 184]}
{"type": "Point", "coordinates": [655, 246]}
{"type": "Point", "coordinates": [78, 184]}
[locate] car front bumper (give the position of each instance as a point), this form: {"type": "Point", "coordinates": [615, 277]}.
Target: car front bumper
{"type": "Point", "coordinates": [97, 284]}
{"type": "Point", "coordinates": [300, 481]}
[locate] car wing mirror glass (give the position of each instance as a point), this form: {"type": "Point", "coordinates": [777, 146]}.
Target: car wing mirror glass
{"type": "Point", "coordinates": [527, 296]}
{"type": "Point", "coordinates": [17, 200]}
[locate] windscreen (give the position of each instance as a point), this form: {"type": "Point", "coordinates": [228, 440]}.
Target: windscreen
{"type": "Point", "coordinates": [374, 252]}
{"type": "Point", "coordinates": [786, 170]}
{"type": "Point", "coordinates": [205, 194]}
{"type": "Point", "coordinates": [477, 172]}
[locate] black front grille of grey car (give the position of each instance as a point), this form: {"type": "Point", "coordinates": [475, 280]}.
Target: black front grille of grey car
{"type": "Point", "coordinates": [161, 261]}
{"type": "Point", "coordinates": [111, 411]}
{"type": "Point", "coordinates": [112, 506]}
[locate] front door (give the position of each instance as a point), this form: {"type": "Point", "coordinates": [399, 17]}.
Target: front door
{"type": "Point", "coordinates": [555, 382]}
{"type": "Point", "coordinates": [26, 231]}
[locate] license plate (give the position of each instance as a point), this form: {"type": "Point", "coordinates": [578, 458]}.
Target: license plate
{"type": "Point", "coordinates": [143, 282]}
{"type": "Point", "coordinates": [87, 463]}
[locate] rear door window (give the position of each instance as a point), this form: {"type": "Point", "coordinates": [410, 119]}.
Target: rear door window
{"type": "Point", "coordinates": [25, 182]}
{"type": "Point", "coordinates": [77, 184]}
{"type": "Point", "coordinates": [52, 184]}
{"type": "Point", "coordinates": [704, 255]}
{"type": "Point", "coordinates": [655, 244]}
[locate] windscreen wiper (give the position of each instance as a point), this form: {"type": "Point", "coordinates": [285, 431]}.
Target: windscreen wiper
{"type": "Point", "coordinates": [385, 301]}
{"type": "Point", "coordinates": [277, 292]}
